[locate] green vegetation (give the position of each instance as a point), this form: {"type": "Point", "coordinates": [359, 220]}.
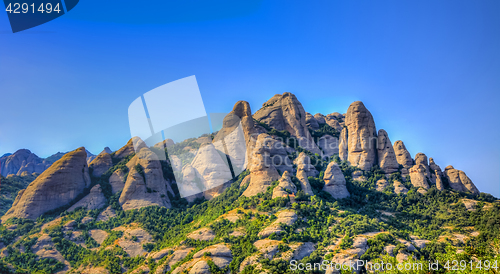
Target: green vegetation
{"type": "Point", "coordinates": [324, 129]}
{"type": "Point", "coordinates": [322, 220]}
{"type": "Point", "coordinates": [9, 189]}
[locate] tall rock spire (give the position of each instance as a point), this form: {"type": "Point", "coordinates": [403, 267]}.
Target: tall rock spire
{"type": "Point", "coordinates": [403, 156]}
{"type": "Point", "coordinates": [386, 156]}
{"type": "Point", "coordinates": [362, 136]}
{"type": "Point", "coordinates": [285, 112]}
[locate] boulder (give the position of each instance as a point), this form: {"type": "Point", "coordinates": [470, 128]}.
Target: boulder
{"type": "Point", "coordinates": [284, 217]}
{"type": "Point", "coordinates": [303, 162]}
{"type": "Point", "coordinates": [382, 184]}
{"type": "Point", "coordinates": [408, 245]}
{"type": "Point", "coordinates": [285, 186]}
{"type": "Point", "coordinates": [160, 254]}
{"type": "Point", "coordinates": [94, 200]}
{"type": "Point", "coordinates": [178, 255]}
{"type": "Point", "coordinates": [329, 145]}
{"type": "Point", "coordinates": [362, 136]}
{"type": "Point", "coordinates": [285, 112]}
{"type": "Point", "coordinates": [422, 191]}
{"type": "Point", "coordinates": [87, 220]}
{"type": "Point", "coordinates": [357, 175]}
{"type": "Point", "coordinates": [304, 250]}
{"type": "Point", "coordinates": [55, 187]}
{"type": "Point", "coordinates": [200, 267]}
{"type": "Point", "coordinates": [108, 213]}
{"type": "Point", "coordinates": [311, 122]}
{"type": "Point", "coordinates": [145, 185]}
{"type": "Point", "coordinates": [418, 176]}
{"type": "Point", "coordinates": [219, 253]}
{"type": "Point", "coordinates": [262, 172]}
{"type": "Point", "coordinates": [203, 234]}
{"type": "Point", "coordinates": [399, 188]}
{"type": "Point", "coordinates": [98, 235]}
{"type": "Point", "coordinates": [459, 181]}
{"type": "Point", "coordinates": [386, 156]}
{"type": "Point", "coordinates": [268, 248]}
{"type": "Point", "coordinates": [390, 250]}
{"type": "Point", "coordinates": [335, 182]}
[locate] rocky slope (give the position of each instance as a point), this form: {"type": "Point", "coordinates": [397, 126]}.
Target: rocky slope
{"type": "Point", "coordinates": [278, 185]}
{"type": "Point", "coordinates": [55, 187]}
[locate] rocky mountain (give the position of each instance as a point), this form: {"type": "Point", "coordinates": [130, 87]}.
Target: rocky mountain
{"type": "Point", "coordinates": [277, 186]}
{"type": "Point", "coordinates": [55, 187]}
{"type": "Point", "coordinates": [23, 162]}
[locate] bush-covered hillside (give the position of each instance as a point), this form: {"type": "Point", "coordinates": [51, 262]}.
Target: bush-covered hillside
{"type": "Point", "coordinates": [332, 226]}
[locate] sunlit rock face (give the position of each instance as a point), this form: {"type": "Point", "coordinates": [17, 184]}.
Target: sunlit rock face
{"type": "Point", "coordinates": [361, 136]}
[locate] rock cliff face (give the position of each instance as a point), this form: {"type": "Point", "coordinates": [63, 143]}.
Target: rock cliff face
{"type": "Point", "coordinates": [145, 185]}
{"type": "Point", "coordinates": [304, 170]}
{"type": "Point", "coordinates": [247, 145]}
{"type": "Point", "coordinates": [94, 200]}
{"type": "Point", "coordinates": [435, 171]}
{"type": "Point", "coordinates": [343, 151]}
{"type": "Point", "coordinates": [213, 167]}
{"type": "Point", "coordinates": [418, 176]}
{"type": "Point", "coordinates": [362, 136]}
{"type": "Point", "coordinates": [439, 182]}
{"type": "Point", "coordinates": [420, 173]}
{"type": "Point", "coordinates": [262, 172]}
{"type": "Point", "coordinates": [101, 164]}
{"type": "Point", "coordinates": [22, 161]}
{"type": "Point", "coordinates": [237, 136]}
{"type": "Point", "coordinates": [320, 118]}
{"type": "Point", "coordinates": [386, 156]}
{"type": "Point", "coordinates": [303, 162]}
{"type": "Point", "coordinates": [403, 156]}
{"type": "Point", "coordinates": [285, 112]}
{"type": "Point", "coordinates": [133, 145]}
{"type": "Point", "coordinates": [333, 121]}
{"type": "Point", "coordinates": [55, 187]}
{"type": "Point", "coordinates": [329, 145]}
{"type": "Point", "coordinates": [311, 122]}
{"type": "Point", "coordinates": [335, 182]}
{"type": "Point", "coordinates": [459, 181]}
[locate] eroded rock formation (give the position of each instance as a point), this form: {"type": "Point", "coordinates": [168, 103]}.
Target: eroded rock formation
{"type": "Point", "coordinates": [335, 182]}
{"type": "Point", "coordinates": [55, 187]}
{"type": "Point", "coordinates": [362, 136]}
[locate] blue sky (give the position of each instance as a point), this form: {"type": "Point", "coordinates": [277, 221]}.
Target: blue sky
{"type": "Point", "coordinates": [429, 71]}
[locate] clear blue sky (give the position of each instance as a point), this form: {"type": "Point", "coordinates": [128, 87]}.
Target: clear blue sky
{"type": "Point", "coordinates": [429, 71]}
